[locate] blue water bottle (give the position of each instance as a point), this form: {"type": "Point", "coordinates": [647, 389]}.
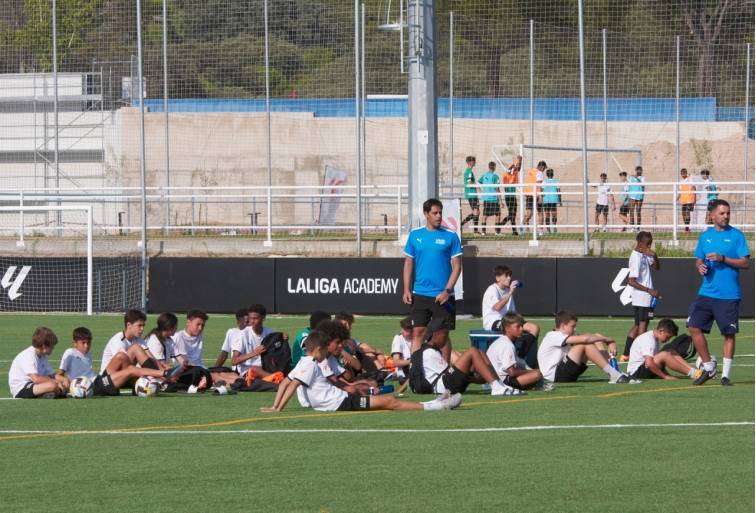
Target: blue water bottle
{"type": "Point", "coordinates": [709, 266]}
{"type": "Point", "coordinates": [654, 302]}
{"type": "Point", "coordinates": [385, 389]}
{"type": "Point", "coordinates": [520, 284]}
{"type": "Point", "coordinates": [613, 362]}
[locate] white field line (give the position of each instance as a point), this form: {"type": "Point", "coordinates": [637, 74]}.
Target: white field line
{"type": "Point", "coordinates": [387, 430]}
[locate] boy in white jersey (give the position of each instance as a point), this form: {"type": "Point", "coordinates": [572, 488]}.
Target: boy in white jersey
{"type": "Point", "coordinates": [400, 351]}
{"type": "Point", "coordinates": [159, 342]}
{"type": "Point", "coordinates": [563, 355]}
{"type": "Point", "coordinates": [315, 391]}
{"type": "Point", "coordinates": [472, 366]}
{"type": "Point", "coordinates": [340, 377]}
{"type": "Point", "coordinates": [499, 300]}
{"type": "Point", "coordinates": [504, 359]}
{"type": "Point", "coordinates": [641, 261]}
{"type": "Point", "coordinates": [77, 361]}
{"type": "Point", "coordinates": [122, 353]}
{"type": "Point", "coordinates": [246, 346]}
{"type": "Point", "coordinates": [30, 375]}
{"type": "Point", "coordinates": [603, 196]}
{"type": "Point", "coordinates": [241, 323]}
{"type": "Point", "coordinates": [648, 362]}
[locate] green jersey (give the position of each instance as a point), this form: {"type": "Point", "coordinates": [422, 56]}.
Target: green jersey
{"type": "Point", "coordinates": [469, 178]}
{"type": "Point", "coordinates": [297, 351]}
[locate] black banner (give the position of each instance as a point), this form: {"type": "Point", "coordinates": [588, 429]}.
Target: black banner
{"type": "Point", "coordinates": [210, 284]}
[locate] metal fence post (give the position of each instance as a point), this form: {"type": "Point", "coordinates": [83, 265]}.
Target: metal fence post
{"type": "Point", "coordinates": [677, 104]}
{"type": "Point", "coordinates": [268, 242]}
{"type": "Point", "coordinates": [143, 164]}
{"type": "Point", "coordinates": [165, 109]}
{"type": "Point", "coordinates": [451, 102]}
{"type": "Point", "coordinates": [532, 88]}
{"type": "Point", "coordinates": [675, 242]}
{"type": "Point", "coordinates": [584, 129]}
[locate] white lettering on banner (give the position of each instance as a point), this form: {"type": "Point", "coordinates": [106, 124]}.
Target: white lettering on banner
{"type": "Point", "coordinates": [14, 285]}
{"type": "Point", "coordinates": [350, 286]}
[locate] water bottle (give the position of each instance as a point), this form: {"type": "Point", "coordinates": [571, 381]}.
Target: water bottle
{"type": "Point", "coordinates": [709, 266]}
{"type": "Point", "coordinates": [520, 284]}
{"type": "Point", "coordinates": [613, 362]}
{"type": "Point", "coordinates": [654, 302]}
{"type": "Point", "coordinates": [385, 389]}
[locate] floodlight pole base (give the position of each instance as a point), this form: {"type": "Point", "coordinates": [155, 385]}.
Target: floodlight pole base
{"type": "Point", "coordinates": [675, 243]}
{"type": "Point", "coordinates": [268, 243]}
{"type": "Point", "coordinates": [533, 243]}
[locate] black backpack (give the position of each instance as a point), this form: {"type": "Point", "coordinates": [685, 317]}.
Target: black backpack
{"type": "Point", "coordinates": [682, 345]}
{"type": "Point", "coordinates": [417, 381]}
{"type": "Point", "coordinates": [277, 357]}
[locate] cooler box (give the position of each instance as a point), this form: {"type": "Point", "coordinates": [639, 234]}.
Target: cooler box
{"type": "Point", "coordinates": [483, 338]}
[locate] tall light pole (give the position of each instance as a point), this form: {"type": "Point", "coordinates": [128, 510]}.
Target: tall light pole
{"type": "Point", "coordinates": [422, 122]}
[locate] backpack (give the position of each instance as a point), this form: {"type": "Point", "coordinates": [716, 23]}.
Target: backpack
{"type": "Point", "coordinates": [417, 381]}
{"type": "Point", "coordinates": [277, 357]}
{"type": "Point", "coordinates": [682, 345]}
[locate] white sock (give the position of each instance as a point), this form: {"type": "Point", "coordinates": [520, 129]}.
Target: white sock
{"type": "Point", "coordinates": [709, 366]}
{"type": "Point", "coordinates": [432, 405]}
{"type": "Point", "coordinates": [726, 365]}
{"type": "Point", "coordinates": [691, 373]}
{"type": "Point", "coordinates": [613, 373]}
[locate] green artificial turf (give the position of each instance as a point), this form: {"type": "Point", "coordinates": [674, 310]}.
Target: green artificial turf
{"type": "Point", "coordinates": [584, 447]}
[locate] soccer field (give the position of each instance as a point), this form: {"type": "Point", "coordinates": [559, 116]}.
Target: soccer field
{"type": "Point", "coordinates": [590, 446]}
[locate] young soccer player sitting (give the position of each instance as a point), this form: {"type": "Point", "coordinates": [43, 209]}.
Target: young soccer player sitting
{"type": "Point", "coordinates": [504, 359]}
{"type": "Point", "coordinates": [647, 362]}
{"type": "Point", "coordinates": [472, 366]}
{"type": "Point", "coordinates": [365, 358]}
{"type": "Point", "coordinates": [231, 334]}
{"type": "Point", "coordinates": [77, 361]}
{"type": "Point", "coordinates": [159, 342]}
{"type": "Point", "coordinates": [563, 355]}
{"type": "Point", "coordinates": [247, 347]}
{"type": "Point", "coordinates": [400, 352]}
{"type": "Point", "coordinates": [315, 391]}
{"type": "Point", "coordinates": [30, 375]}
{"type": "Point", "coordinates": [298, 350]}
{"type": "Point", "coordinates": [343, 378]}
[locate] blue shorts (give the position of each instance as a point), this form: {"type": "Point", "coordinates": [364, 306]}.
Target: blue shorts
{"type": "Point", "coordinates": [705, 310]}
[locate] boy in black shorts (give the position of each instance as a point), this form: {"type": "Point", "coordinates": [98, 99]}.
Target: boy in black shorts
{"type": "Point", "coordinates": [647, 361]}
{"type": "Point", "coordinates": [315, 391]}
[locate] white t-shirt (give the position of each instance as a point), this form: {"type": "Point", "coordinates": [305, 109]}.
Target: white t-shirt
{"type": "Point", "coordinates": [159, 351]}
{"type": "Point", "coordinates": [330, 367]}
{"type": "Point", "coordinates": [643, 345]}
{"type": "Point", "coordinates": [189, 347]}
{"type": "Point", "coordinates": [402, 346]}
{"type": "Point", "coordinates": [117, 344]}
{"type": "Point", "coordinates": [493, 295]}
{"type": "Point", "coordinates": [26, 363]}
{"type": "Point", "coordinates": [434, 365]}
{"type": "Point", "coordinates": [552, 351]}
{"type": "Point", "coordinates": [702, 197]}
{"type": "Point", "coordinates": [231, 334]}
{"type": "Point", "coordinates": [316, 391]}
{"type": "Point", "coordinates": [502, 355]}
{"type": "Point", "coordinates": [74, 363]}
{"type": "Point", "coordinates": [640, 269]}
{"type": "Point", "coordinates": [603, 194]}
{"type": "Point", "coordinates": [245, 342]}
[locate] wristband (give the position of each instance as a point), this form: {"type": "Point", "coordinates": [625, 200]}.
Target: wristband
{"type": "Point", "coordinates": [449, 291]}
{"type": "Point", "coordinates": [723, 259]}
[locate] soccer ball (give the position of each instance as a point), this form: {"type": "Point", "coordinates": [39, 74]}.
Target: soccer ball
{"type": "Point", "coordinates": [699, 362]}
{"type": "Point", "coordinates": [81, 388]}
{"type": "Point", "coordinates": [147, 386]}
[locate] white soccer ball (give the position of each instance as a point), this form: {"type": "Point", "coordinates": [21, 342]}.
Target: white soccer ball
{"type": "Point", "coordinates": [699, 362]}
{"type": "Point", "coordinates": [81, 388]}
{"type": "Point", "coordinates": [147, 386]}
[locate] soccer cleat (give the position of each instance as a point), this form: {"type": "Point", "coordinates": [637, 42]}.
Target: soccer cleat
{"type": "Point", "coordinates": [451, 402]}
{"type": "Point", "coordinates": [499, 388]}
{"type": "Point", "coordinates": [725, 381]}
{"type": "Point", "coordinates": [705, 376]}
{"type": "Point", "coordinates": [622, 379]}
{"type": "Point", "coordinates": [544, 386]}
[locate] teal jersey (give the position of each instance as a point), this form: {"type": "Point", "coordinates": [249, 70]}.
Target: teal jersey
{"type": "Point", "coordinates": [489, 194]}
{"type": "Point", "coordinates": [551, 191]}
{"type": "Point", "coordinates": [469, 178]}
{"type": "Point", "coordinates": [711, 186]}
{"type": "Point", "coordinates": [297, 351]}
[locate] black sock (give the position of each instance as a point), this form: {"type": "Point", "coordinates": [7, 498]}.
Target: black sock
{"type": "Point", "coordinates": [150, 363]}
{"type": "Point", "coordinates": [628, 345]}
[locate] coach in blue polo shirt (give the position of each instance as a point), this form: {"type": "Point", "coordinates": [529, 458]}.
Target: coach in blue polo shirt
{"type": "Point", "coordinates": [435, 254]}
{"type": "Point", "coordinates": [720, 254]}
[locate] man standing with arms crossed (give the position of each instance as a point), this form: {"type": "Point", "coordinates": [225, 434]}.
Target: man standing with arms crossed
{"type": "Point", "coordinates": [721, 252]}
{"type": "Point", "coordinates": [435, 255]}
